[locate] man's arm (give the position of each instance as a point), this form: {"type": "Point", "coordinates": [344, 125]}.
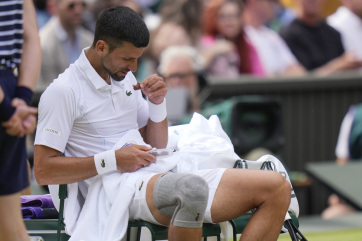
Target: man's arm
{"type": "Point", "coordinates": [31, 57]}
{"type": "Point", "coordinates": [51, 168]}
{"type": "Point", "coordinates": [155, 132]}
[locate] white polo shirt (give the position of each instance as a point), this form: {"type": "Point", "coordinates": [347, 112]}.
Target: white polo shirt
{"type": "Point", "coordinates": [274, 54]}
{"type": "Point", "coordinates": [81, 115]}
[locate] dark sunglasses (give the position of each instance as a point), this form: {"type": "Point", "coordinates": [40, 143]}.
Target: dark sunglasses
{"type": "Point", "coordinates": [72, 5]}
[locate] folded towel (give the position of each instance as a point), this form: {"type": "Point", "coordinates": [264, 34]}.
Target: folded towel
{"type": "Point", "coordinates": [42, 201]}
{"type": "Point", "coordinates": [39, 213]}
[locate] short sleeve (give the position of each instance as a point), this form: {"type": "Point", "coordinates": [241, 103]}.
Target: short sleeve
{"type": "Point", "coordinates": [57, 112]}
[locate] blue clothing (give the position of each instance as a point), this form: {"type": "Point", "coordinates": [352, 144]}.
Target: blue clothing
{"type": "Point", "coordinates": [11, 32]}
{"type": "Point", "coordinates": [13, 155]}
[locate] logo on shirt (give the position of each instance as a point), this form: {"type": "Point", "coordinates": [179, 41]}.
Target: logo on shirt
{"type": "Point", "coordinates": [128, 93]}
{"type": "Point", "coordinates": [103, 164]}
{"type": "Point", "coordinates": [47, 129]}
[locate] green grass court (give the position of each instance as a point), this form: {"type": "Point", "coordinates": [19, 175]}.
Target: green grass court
{"type": "Point", "coordinates": [344, 235]}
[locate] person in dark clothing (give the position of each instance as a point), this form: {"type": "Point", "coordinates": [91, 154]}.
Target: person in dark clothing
{"type": "Point", "coordinates": [317, 45]}
{"type": "Point", "coordinates": [19, 50]}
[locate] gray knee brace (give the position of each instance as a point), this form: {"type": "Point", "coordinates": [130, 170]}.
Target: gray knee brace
{"type": "Point", "coordinates": [182, 196]}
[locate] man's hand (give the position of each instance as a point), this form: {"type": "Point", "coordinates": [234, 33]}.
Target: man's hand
{"type": "Point", "coordinates": [133, 157]}
{"type": "Point", "coordinates": [154, 87]}
{"type": "Point", "coordinates": [23, 120]}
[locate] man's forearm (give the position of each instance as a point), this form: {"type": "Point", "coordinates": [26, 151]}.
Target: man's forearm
{"type": "Point", "coordinates": [157, 133]}
{"type": "Point", "coordinates": [31, 57]}
{"type": "Point", "coordinates": [50, 168]}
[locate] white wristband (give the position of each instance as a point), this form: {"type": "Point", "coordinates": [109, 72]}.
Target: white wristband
{"type": "Point", "coordinates": [157, 112]}
{"type": "Point", "coordinates": [105, 161]}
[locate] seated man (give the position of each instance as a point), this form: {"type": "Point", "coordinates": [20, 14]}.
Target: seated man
{"type": "Point", "coordinates": [93, 104]}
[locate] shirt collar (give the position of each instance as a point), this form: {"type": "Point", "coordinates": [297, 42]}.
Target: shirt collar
{"type": "Point", "coordinates": [98, 82]}
{"type": "Point", "coordinates": [92, 75]}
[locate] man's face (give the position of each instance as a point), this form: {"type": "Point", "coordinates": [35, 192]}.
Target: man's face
{"type": "Point", "coordinates": [311, 7]}
{"type": "Point", "coordinates": [121, 60]}
{"type": "Point", "coordinates": [70, 12]}
{"type": "Point", "coordinates": [265, 9]}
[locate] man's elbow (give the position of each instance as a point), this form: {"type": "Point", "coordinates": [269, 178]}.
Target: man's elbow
{"type": "Point", "coordinates": [40, 175]}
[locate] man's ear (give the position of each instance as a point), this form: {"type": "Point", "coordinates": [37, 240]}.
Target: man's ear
{"type": "Point", "coordinates": [102, 47]}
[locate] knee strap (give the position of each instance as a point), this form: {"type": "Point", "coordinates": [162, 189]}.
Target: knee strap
{"type": "Point", "coordinates": [182, 196]}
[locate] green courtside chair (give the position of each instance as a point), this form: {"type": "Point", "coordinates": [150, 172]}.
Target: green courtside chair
{"type": "Point", "coordinates": [53, 229]}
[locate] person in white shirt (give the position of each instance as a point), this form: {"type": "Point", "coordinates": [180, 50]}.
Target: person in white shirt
{"type": "Point", "coordinates": [348, 21]}
{"type": "Point", "coordinates": [95, 103]}
{"type": "Point", "coordinates": [275, 56]}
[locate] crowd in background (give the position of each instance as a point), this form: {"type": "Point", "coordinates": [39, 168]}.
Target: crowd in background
{"type": "Point", "coordinates": [261, 38]}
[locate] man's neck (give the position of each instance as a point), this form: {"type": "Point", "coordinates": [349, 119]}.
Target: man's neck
{"type": "Point", "coordinates": [70, 30]}
{"type": "Point", "coordinates": [310, 19]}
{"type": "Point", "coordinates": [94, 60]}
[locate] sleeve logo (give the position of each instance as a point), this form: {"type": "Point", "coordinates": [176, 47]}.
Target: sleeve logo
{"type": "Point", "coordinates": [58, 133]}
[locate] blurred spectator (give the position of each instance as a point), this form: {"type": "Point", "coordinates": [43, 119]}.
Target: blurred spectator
{"type": "Point", "coordinates": [348, 21]}
{"type": "Point", "coordinates": [96, 6]}
{"type": "Point", "coordinates": [44, 9]}
{"type": "Point", "coordinates": [226, 49]}
{"type": "Point", "coordinates": [348, 148]}
{"type": "Point", "coordinates": [349, 144]}
{"type": "Point", "coordinates": [62, 39]}
{"type": "Point", "coordinates": [180, 66]}
{"type": "Point", "coordinates": [316, 45]}
{"type": "Point", "coordinates": [329, 6]}
{"type": "Point", "coordinates": [180, 24]}
{"type": "Point", "coordinates": [269, 45]}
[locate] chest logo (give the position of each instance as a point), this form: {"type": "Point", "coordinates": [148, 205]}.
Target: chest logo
{"type": "Point", "coordinates": [128, 93]}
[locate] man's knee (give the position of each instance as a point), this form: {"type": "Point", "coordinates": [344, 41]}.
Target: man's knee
{"type": "Point", "coordinates": [282, 188]}
{"type": "Point", "coordinates": [182, 196]}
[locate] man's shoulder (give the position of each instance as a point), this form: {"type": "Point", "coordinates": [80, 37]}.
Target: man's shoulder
{"type": "Point", "coordinates": [49, 28]}
{"type": "Point", "coordinates": [68, 80]}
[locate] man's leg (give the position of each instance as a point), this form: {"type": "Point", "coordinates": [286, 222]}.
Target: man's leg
{"type": "Point", "coordinates": [175, 232]}
{"type": "Point", "coordinates": [241, 190]}
{"type": "Point", "coordinates": [12, 226]}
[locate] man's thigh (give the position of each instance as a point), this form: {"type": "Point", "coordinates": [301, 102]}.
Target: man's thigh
{"type": "Point", "coordinates": [139, 209]}
{"type": "Point", "coordinates": [241, 190]}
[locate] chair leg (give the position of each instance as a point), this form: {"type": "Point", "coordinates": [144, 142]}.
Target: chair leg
{"type": "Point", "coordinates": [294, 232]}
{"type": "Point", "coordinates": [139, 233]}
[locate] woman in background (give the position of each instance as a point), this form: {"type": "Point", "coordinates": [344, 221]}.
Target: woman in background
{"type": "Point", "coordinates": [225, 47]}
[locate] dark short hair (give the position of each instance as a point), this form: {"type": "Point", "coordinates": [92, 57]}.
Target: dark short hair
{"type": "Point", "coordinates": [120, 24]}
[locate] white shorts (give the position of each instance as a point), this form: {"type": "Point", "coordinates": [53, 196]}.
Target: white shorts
{"type": "Point", "coordinates": [139, 208]}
